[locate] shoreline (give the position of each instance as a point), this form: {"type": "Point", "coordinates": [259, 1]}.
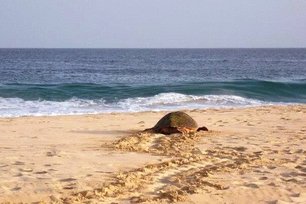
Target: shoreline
{"type": "Point", "coordinates": [160, 111]}
{"type": "Point", "coordinates": [250, 153]}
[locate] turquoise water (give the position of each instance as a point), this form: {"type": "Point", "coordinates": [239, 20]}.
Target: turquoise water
{"type": "Point", "coordinates": [79, 81]}
{"type": "Point", "coordinates": [253, 89]}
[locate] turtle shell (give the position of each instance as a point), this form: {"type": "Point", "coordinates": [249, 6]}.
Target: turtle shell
{"type": "Point", "coordinates": [175, 122]}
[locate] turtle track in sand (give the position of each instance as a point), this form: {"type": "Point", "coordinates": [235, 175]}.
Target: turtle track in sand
{"type": "Point", "coordinates": [187, 169]}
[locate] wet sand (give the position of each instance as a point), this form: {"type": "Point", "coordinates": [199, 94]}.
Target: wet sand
{"type": "Point", "coordinates": [249, 155]}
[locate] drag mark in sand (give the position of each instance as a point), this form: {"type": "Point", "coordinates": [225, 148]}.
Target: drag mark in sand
{"type": "Point", "coordinates": [188, 172]}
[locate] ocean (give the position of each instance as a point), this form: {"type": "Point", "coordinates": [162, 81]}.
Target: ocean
{"type": "Point", "coordinates": [35, 82]}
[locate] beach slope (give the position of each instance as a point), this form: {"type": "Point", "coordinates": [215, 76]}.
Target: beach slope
{"type": "Point", "coordinates": [249, 155]}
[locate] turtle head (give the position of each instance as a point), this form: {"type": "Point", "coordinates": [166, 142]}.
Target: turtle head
{"type": "Point", "coordinates": [203, 128]}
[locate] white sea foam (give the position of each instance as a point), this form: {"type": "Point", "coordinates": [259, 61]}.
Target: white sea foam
{"type": "Point", "coordinates": [13, 107]}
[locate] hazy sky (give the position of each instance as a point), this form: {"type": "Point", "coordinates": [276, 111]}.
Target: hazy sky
{"type": "Point", "coordinates": [152, 23]}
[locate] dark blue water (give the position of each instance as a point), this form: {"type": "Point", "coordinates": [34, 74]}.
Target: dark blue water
{"type": "Point", "coordinates": [73, 81]}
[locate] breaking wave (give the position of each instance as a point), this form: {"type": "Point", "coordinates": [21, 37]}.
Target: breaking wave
{"type": "Point", "coordinates": [14, 107]}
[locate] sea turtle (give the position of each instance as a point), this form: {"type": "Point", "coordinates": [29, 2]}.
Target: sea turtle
{"type": "Point", "coordinates": [176, 122]}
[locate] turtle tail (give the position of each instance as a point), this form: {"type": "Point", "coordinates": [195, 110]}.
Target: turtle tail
{"type": "Point", "coordinates": [203, 128]}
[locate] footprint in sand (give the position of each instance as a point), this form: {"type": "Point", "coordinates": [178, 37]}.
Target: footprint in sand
{"type": "Point", "coordinates": [18, 175]}
{"type": "Point", "coordinates": [289, 174]}
{"type": "Point", "coordinates": [52, 170]}
{"type": "Point", "coordinates": [69, 184]}
{"type": "Point", "coordinates": [299, 151]}
{"type": "Point", "coordinates": [52, 153]}
{"type": "Point", "coordinates": [41, 172]}
{"type": "Point", "coordinates": [240, 149]}
{"type": "Point", "coordinates": [293, 180]}
{"type": "Point", "coordinates": [251, 185]}
{"type": "Point", "coordinates": [263, 178]}
{"type": "Point", "coordinates": [19, 163]}
{"type": "Point", "coordinates": [67, 180]}
{"type": "Point", "coordinates": [3, 165]}
{"type": "Point", "coordinates": [69, 187]}
{"type": "Point", "coordinates": [298, 197]}
{"type": "Point", "coordinates": [26, 169]}
{"type": "Point", "coordinates": [16, 188]}
{"type": "Point", "coordinates": [272, 202]}
{"type": "Point", "coordinates": [301, 168]}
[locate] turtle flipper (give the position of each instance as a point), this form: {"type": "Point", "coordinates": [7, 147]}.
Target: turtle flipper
{"type": "Point", "coordinates": [183, 130]}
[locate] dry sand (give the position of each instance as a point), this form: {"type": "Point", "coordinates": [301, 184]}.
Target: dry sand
{"type": "Point", "coordinates": [250, 155]}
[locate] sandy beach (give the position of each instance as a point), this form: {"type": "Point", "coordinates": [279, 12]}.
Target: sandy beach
{"type": "Point", "coordinates": [249, 155]}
